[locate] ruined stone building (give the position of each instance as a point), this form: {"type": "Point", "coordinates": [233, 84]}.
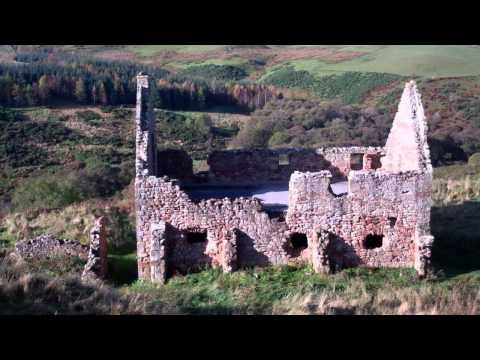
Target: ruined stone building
{"type": "Point", "coordinates": [332, 208]}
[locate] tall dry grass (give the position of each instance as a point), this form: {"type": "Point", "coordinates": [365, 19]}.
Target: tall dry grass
{"type": "Point", "coordinates": [23, 291]}
{"type": "Point", "coordinates": [446, 191]}
{"type": "Point", "coordinates": [427, 299]}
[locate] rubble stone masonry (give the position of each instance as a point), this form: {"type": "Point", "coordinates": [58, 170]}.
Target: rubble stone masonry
{"type": "Point", "coordinates": [96, 266]}
{"type": "Point", "coordinates": [383, 220]}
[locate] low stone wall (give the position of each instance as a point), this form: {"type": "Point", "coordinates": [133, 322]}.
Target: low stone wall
{"type": "Point", "coordinates": [46, 246]}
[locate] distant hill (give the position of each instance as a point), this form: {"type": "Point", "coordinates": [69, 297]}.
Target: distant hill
{"type": "Point", "coordinates": [431, 61]}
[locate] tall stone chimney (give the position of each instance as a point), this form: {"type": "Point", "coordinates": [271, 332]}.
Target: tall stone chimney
{"type": "Point", "coordinates": [146, 149]}
{"type": "Point", "coordinates": [145, 163]}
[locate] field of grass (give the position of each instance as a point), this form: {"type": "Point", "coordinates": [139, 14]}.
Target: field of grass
{"type": "Point", "coordinates": [431, 61]}
{"type": "Point", "coordinates": [232, 61]}
{"type": "Point", "coordinates": [54, 287]}
{"type": "Point", "coordinates": [150, 50]}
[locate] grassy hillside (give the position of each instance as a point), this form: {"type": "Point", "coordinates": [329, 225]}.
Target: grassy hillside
{"type": "Point", "coordinates": [62, 165]}
{"type": "Point", "coordinates": [149, 50]}
{"type": "Point", "coordinates": [405, 60]}
{"type": "Point", "coordinates": [430, 61]}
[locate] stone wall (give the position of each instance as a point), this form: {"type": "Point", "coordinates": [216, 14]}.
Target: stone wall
{"type": "Point", "coordinates": [383, 220]}
{"type": "Point", "coordinates": [46, 246]}
{"type": "Point", "coordinates": [262, 165]}
{"type": "Point", "coordinates": [340, 159]}
{"type": "Point", "coordinates": [96, 266]}
{"type": "Point", "coordinates": [378, 203]}
{"type": "Point", "coordinates": [266, 165]}
{"type": "Point", "coordinates": [259, 240]}
{"type": "Point", "coordinates": [146, 149]}
{"type": "Point", "coordinates": [407, 147]}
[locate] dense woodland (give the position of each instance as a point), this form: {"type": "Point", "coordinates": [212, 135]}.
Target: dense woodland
{"type": "Point", "coordinates": [51, 77]}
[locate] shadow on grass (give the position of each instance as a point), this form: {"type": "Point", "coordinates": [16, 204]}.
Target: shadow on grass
{"type": "Point", "coordinates": [122, 265]}
{"type": "Point", "coordinates": [457, 238]}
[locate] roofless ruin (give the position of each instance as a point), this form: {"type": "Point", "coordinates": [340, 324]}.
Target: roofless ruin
{"type": "Point", "coordinates": [332, 208]}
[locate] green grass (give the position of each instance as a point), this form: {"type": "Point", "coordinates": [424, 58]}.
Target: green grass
{"type": "Point", "coordinates": [431, 61]}
{"type": "Point", "coordinates": [122, 268]}
{"type": "Point", "coordinates": [48, 287]}
{"type": "Point", "coordinates": [150, 50]}
{"type": "Point", "coordinates": [255, 291]}
{"type": "Point", "coordinates": [217, 72]}
{"type": "Point", "coordinates": [350, 87]}
{"type": "Point", "coordinates": [237, 61]}
{"type": "Point", "coordinates": [6, 239]}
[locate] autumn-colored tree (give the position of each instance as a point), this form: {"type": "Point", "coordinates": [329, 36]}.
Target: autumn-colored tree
{"type": "Point", "coordinates": [94, 94]}
{"type": "Point", "coordinates": [118, 91]}
{"type": "Point", "coordinates": [43, 89]}
{"type": "Point", "coordinates": [102, 93]}
{"type": "Point", "coordinates": [80, 91]}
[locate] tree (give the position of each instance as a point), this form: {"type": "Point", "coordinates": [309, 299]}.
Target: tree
{"type": "Point", "coordinates": [80, 91]}
{"type": "Point", "coordinates": [18, 97]}
{"type": "Point", "coordinates": [201, 99]}
{"type": "Point", "coordinates": [118, 91]}
{"type": "Point", "coordinates": [94, 94]}
{"type": "Point", "coordinates": [44, 89]}
{"type": "Point", "coordinates": [6, 85]}
{"type": "Point", "coordinates": [29, 96]}
{"type": "Point", "coordinates": [102, 93]}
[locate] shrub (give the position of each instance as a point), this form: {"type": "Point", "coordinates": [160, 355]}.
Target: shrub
{"type": "Point", "coordinates": [289, 78]}
{"type": "Point", "coordinates": [121, 113]}
{"type": "Point", "coordinates": [47, 192]}
{"type": "Point", "coordinates": [188, 129]}
{"type": "Point", "coordinates": [17, 137]}
{"type": "Point", "coordinates": [89, 116]}
{"type": "Point", "coordinates": [312, 123]}
{"type": "Point", "coordinates": [216, 72]}
{"type": "Point", "coordinates": [107, 109]}
{"type": "Point", "coordinates": [474, 160]}
{"type": "Point", "coordinates": [470, 109]}
{"type": "Point", "coordinates": [8, 115]}
{"type": "Point", "coordinates": [51, 191]}
{"type": "Point", "coordinates": [279, 138]}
